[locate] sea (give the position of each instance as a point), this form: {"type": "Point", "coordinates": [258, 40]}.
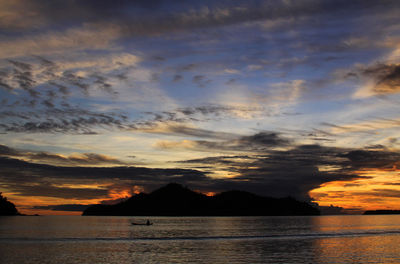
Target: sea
{"type": "Point", "coordinates": [113, 239]}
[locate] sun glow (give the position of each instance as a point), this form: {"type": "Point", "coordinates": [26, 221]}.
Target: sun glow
{"type": "Point", "coordinates": [378, 189]}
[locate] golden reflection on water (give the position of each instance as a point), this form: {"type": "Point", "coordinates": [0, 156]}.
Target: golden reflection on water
{"type": "Point", "coordinates": [368, 249]}
{"type": "Point", "coordinates": [357, 223]}
{"type": "Point", "coordinates": [359, 247]}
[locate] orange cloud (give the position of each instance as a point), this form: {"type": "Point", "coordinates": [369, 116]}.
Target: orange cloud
{"type": "Point", "coordinates": [380, 189]}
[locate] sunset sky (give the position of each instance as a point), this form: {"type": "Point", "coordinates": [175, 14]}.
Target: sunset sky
{"type": "Point", "coordinates": [103, 99]}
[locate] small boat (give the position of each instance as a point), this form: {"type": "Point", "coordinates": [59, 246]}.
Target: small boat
{"type": "Point", "coordinates": [144, 224]}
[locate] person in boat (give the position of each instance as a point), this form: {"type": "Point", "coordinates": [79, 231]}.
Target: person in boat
{"type": "Point", "coordinates": [147, 222]}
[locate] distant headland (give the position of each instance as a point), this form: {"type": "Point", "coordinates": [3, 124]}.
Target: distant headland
{"type": "Point", "coordinates": [176, 200]}
{"type": "Point", "coordinates": [381, 212]}
{"type": "Point", "coordinates": [7, 207]}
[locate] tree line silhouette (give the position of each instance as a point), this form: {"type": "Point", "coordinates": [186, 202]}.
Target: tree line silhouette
{"type": "Point", "coordinates": [7, 207]}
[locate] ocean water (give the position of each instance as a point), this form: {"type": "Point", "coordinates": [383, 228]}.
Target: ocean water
{"type": "Point", "coordinates": [97, 239]}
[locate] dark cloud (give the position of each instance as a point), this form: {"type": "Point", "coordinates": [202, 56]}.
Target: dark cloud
{"type": "Point", "coordinates": [219, 159]}
{"type": "Point", "coordinates": [173, 15]}
{"type": "Point", "coordinates": [295, 171]}
{"type": "Point", "coordinates": [48, 103]}
{"type": "Point", "coordinates": [231, 81]}
{"type": "Point", "coordinates": [174, 121]}
{"type": "Point", "coordinates": [158, 58]}
{"type": "Point", "coordinates": [197, 132]}
{"type": "Point", "coordinates": [385, 76]}
{"type": "Point", "coordinates": [62, 120]}
{"type": "Point", "coordinates": [201, 80]}
{"type": "Point", "coordinates": [380, 193]}
{"type": "Point", "coordinates": [188, 67]}
{"type": "Point", "coordinates": [366, 129]}
{"type": "Point", "coordinates": [46, 157]}
{"type": "Point", "coordinates": [32, 179]}
{"type": "Point", "coordinates": [25, 81]}
{"type": "Point", "coordinates": [121, 76]}
{"type": "Point", "coordinates": [19, 75]}
{"type": "Point", "coordinates": [21, 65]}
{"type": "Point", "coordinates": [219, 110]}
{"type": "Point", "coordinates": [260, 142]}
{"type": "Point", "coordinates": [64, 207]}
{"type": "Point", "coordinates": [7, 151]}
{"type": "Point", "coordinates": [102, 83]}
{"type": "Point", "coordinates": [45, 62]}
{"type": "Point", "coordinates": [5, 85]}
{"type": "Point", "coordinates": [318, 135]}
{"type": "Point", "coordinates": [45, 109]}
{"type": "Point", "coordinates": [177, 78]}
{"type": "Point", "coordinates": [264, 139]}
{"type": "Point", "coordinates": [49, 190]}
{"type": "Point", "coordinates": [292, 172]}
{"type": "Point", "coordinates": [76, 81]}
{"type": "Point", "coordinates": [372, 159]}
{"type": "Point", "coordinates": [81, 159]}
{"type": "Point", "coordinates": [30, 76]}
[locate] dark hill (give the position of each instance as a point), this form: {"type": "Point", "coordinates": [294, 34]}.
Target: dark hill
{"type": "Point", "coordinates": [7, 207]}
{"type": "Point", "coordinates": [176, 200]}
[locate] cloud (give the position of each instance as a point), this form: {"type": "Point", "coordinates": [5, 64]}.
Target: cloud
{"type": "Point", "coordinates": [47, 190]}
{"type": "Point", "coordinates": [259, 142]}
{"type": "Point", "coordinates": [177, 78]}
{"type": "Point", "coordinates": [77, 159]}
{"type": "Point", "coordinates": [220, 159]}
{"type": "Point", "coordinates": [88, 37]}
{"type": "Point", "coordinates": [46, 108]}
{"type": "Point", "coordinates": [221, 111]}
{"type": "Point", "coordinates": [133, 19]}
{"type": "Point", "coordinates": [32, 179]}
{"type": "Point", "coordinates": [85, 74]}
{"type": "Point", "coordinates": [387, 78]}
{"type": "Point", "coordinates": [62, 120]}
{"type": "Point", "coordinates": [363, 159]}
{"type": "Point", "coordinates": [296, 170]}
{"type": "Point", "coordinates": [11, 13]}
{"type": "Point", "coordinates": [267, 139]}
{"type": "Point", "coordinates": [369, 127]}
{"type": "Point", "coordinates": [282, 92]}
{"type": "Point", "coordinates": [379, 78]}
{"type": "Point", "coordinates": [380, 193]}
{"type": "Point", "coordinates": [171, 128]}
{"type": "Point", "coordinates": [63, 207]}
{"type": "Point", "coordinates": [201, 80]}
{"type": "Point", "coordinates": [7, 151]}
{"type": "Point", "coordinates": [178, 121]}
{"type": "Point", "coordinates": [74, 159]}
{"type": "Point", "coordinates": [217, 110]}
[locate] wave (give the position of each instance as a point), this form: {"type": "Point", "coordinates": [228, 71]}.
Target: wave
{"type": "Point", "coordinates": [199, 238]}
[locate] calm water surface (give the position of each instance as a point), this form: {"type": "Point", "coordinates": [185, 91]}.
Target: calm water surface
{"type": "Point", "coordinates": [96, 239]}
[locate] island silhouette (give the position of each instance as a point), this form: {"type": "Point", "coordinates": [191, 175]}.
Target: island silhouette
{"type": "Point", "coordinates": [381, 212]}
{"type": "Point", "coordinates": [177, 200]}
{"type": "Point", "coordinates": [7, 207]}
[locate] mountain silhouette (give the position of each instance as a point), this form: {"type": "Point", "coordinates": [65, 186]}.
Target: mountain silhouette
{"type": "Point", "coordinates": [176, 200]}
{"type": "Point", "coordinates": [7, 207]}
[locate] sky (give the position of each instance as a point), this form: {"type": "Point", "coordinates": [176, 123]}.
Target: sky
{"type": "Point", "coordinates": [101, 100]}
